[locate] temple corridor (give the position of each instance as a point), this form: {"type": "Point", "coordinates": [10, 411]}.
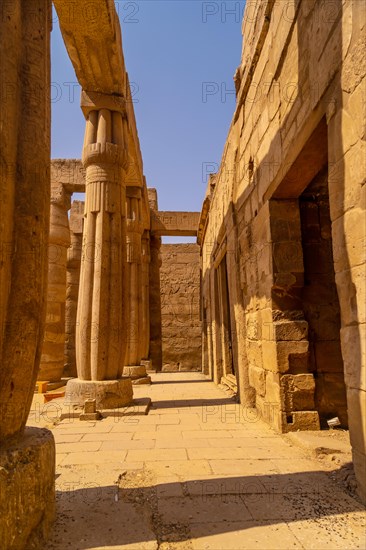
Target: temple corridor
{"type": "Point", "coordinates": [196, 472]}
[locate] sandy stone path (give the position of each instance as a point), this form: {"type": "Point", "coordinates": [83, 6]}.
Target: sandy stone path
{"type": "Point", "coordinates": [196, 473]}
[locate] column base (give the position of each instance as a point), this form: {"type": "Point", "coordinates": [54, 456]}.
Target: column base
{"type": "Point", "coordinates": [27, 490]}
{"type": "Point", "coordinates": [147, 363]}
{"type": "Point", "coordinates": [137, 373]}
{"type": "Point", "coordinates": [108, 394]}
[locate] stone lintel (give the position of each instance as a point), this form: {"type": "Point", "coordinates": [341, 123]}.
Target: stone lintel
{"type": "Point", "coordinates": [95, 101]}
{"type": "Point", "coordinates": [69, 173]}
{"type": "Point", "coordinates": [76, 217]}
{"type": "Point", "coordinates": [133, 192]}
{"type": "Point", "coordinates": [175, 224]}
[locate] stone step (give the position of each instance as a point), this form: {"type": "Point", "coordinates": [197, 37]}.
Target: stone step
{"type": "Point", "coordinates": [229, 380]}
{"type": "Point", "coordinates": [41, 386]}
{"type": "Point", "coordinates": [54, 394]}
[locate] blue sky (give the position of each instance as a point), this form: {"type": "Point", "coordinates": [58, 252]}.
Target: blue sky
{"type": "Point", "coordinates": [181, 57]}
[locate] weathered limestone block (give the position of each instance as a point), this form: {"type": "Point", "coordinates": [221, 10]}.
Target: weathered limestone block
{"type": "Point", "coordinates": [138, 374]}
{"type": "Point", "coordinates": [297, 392]}
{"type": "Point", "coordinates": [270, 412]}
{"type": "Point", "coordinates": [254, 353]}
{"type": "Point", "coordinates": [290, 330]}
{"type": "Point", "coordinates": [257, 379]}
{"type": "Point", "coordinates": [108, 394]}
{"type": "Point", "coordinates": [27, 490]}
{"type": "Point", "coordinates": [70, 173]}
{"type": "Point", "coordinates": [286, 356]}
{"type": "Point", "coordinates": [134, 372]}
{"type": "Point", "coordinates": [300, 420]}
{"type": "Point", "coordinates": [273, 390]}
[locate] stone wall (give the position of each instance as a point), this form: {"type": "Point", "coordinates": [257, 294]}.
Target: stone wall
{"type": "Point", "coordinates": [180, 309]}
{"type": "Point", "coordinates": [296, 289]}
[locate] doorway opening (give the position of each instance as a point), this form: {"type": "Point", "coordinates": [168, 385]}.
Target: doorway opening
{"type": "Point", "coordinates": [228, 369]}
{"type": "Point", "coordinates": [320, 301]}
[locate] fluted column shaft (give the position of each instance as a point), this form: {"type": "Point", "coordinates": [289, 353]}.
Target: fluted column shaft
{"type": "Point", "coordinates": [145, 302]}
{"type": "Point", "coordinates": [53, 359]}
{"type": "Point", "coordinates": [100, 331]}
{"type": "Point", "coordinates": [72, 285]}
{"type": "Point", "coordinates": [134, 263]}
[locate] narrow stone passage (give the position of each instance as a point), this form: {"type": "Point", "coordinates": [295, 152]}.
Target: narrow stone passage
{"type": "Point", "coordinates": [198, 472]}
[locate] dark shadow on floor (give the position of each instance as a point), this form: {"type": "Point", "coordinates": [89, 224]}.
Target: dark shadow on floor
{"type": "Point", "coordinates": [91, 517]}
{"type": "Point", "coordinates": [173, 404]}
{"type": "Point", "coordinates": [158, 382]}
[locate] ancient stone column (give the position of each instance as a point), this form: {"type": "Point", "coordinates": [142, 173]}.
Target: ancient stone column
{"type": "Point", "coordinates": [27, 456]}
{"type": "Point", "coordinates": [133, 368]}
{"type": "Point", "coordinates": [156, 350]}
{"type": "Point", "coordinates": [72, 285]}
{"type": "Point", "coordinates": [24, 205]}
{"type": "Point", "coordinates": [134, 257]}
{"type": "Point", "coordinates": [53, 357]}
{"type": "Point", "coordinates": [145, 302]}
{"type": "Point", "coordinates": [156, 339]}
{"type": "Point", "coordinates": [101, 330]}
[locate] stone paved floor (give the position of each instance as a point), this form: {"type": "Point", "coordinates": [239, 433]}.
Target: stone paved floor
{"type": "Point", "coordinates": [196, 473]}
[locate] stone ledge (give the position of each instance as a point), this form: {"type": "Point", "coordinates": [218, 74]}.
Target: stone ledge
{"type": "Point", "coordinates": [322, 442]}
{"type": "Point", "coordinates": [27, 490]}
{"type": "Point", "coordinates": [139, 407]}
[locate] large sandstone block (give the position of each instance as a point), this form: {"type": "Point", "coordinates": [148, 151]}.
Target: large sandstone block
{"type": "Point", "coordinates": [27, 490]}
{"type": "Point", "coordinates": [297, 392]}
{"type": "Point", "coordinates": [257, 379]}
{"type": "Point", "coordinates": [287, 356]}
{"type": "Point", "coordinates": [356, 401]}
{"type": "Point", "coordinates": [108, 394]}
{"type": "Point", "coordinates": [359, 465]}
{"type": "Point", "coordinates": [351, 285]}
{"type": "Point", "coordinates": [349, 240]}
{"type": "Point", "coordinates": [353, 343]}
{"type": "Point", "coordinates": [290, 330]}
{"type": "Point", "coordinates": [300, 420]}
